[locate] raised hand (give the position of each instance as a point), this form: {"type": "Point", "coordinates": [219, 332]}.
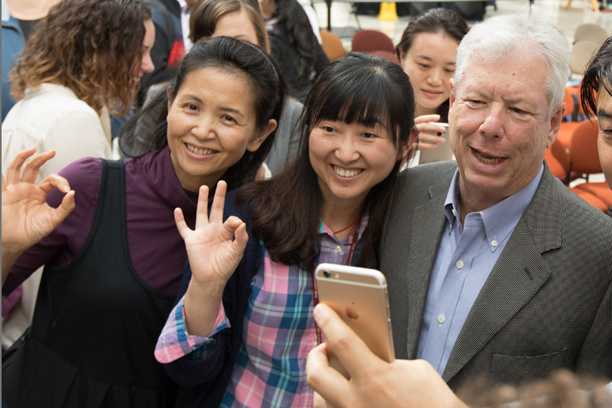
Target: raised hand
{"type": "Point", "coordinates": [26, 217]}
{"type": "Point", "coordinates": [213, 252]}
{"type": "Point", "coordinates": [428, 138]}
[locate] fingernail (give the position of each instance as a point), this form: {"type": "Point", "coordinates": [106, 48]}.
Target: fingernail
{"type": "Point", "coordinates": [319, 310]}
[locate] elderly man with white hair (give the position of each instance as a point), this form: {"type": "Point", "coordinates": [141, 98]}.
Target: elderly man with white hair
{"type": "Point", "coordinates": [495, 269]}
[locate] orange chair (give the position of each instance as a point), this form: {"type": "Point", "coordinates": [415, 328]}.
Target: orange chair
{"type": "Point", "coordinates": [558, 161]}
{"type": "Point", "coordinates": [371, 40]}
{"type": "Point", "coordinates": [585, 161]}
{"type": "Point", "coordinates": [591, 199]}
{"type": "Point", "coordinates": [332, 45]}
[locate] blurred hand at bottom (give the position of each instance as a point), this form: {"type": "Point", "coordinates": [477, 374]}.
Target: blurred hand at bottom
{"type": "Point", "coordinates": [374, 382]}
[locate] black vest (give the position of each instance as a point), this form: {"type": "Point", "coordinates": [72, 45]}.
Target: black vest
{"type": "Point", "coordinates": [95, 325]}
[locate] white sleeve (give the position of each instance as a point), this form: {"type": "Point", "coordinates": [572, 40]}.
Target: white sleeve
{"type": "Point", "coordinates": [75, 135]}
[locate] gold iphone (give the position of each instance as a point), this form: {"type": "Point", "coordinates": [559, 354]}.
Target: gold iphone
{"type": "Point", "coordinates": [359, 296]}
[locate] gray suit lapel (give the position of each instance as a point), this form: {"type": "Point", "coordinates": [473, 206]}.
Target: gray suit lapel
{"type": "Point", "coordinates": [427, 226]}
{"type": "Point", "coordinates": [516, 277]}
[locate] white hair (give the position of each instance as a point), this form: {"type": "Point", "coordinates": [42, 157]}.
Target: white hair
{"type": "Point", "coordinates": [498, 37]}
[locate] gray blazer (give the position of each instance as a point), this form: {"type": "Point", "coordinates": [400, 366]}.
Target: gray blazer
{"type": "Point", "coordinates": [547, 303]}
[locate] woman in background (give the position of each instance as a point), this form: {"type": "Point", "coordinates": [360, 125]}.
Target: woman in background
{"type": "Point", "coordinates": [427, 53]}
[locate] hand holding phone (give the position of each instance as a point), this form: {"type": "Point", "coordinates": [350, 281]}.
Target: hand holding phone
{"type": "Point", "coordinates": [359, 296]}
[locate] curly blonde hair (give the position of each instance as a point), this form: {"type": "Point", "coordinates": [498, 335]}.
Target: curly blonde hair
{"type": "Point", "coordinates": [93, 47]}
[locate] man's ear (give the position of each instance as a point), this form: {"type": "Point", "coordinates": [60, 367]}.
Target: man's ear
{"type": "Point", "coordinates": [451, 99]}
{"type": "Point", "coordinates": [555, 124]}
{"type": "Point", "coordinates": [261, 135]}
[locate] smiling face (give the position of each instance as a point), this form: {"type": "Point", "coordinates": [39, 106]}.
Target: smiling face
{"type": "Point", "coordinates": [430, 64]}
{"type": "Point", "coordinates": [236, 25]}
{"type": "Point", "coordinates": [604, 138]}
{"type": "Point", "coordinates": [211, 123]}
{"type": "Point", "coordinates": [350, 159]}
{"type": "Point", "coordinates": [499, 128]}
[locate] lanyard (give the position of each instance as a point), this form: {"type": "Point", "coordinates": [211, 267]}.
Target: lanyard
{"type": "Point", "coordinates": [315, 290]}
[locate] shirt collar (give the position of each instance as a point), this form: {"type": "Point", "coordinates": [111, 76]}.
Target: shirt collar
{"type": "Point", "coordinates": [500, 219]}
{"type": "Point", "coordinates": [184, 6]}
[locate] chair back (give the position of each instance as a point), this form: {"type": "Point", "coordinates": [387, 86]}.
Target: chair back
{"type": "Point", "coordinates": [332, 45]}
{"type": "Point", "coordinates": [558, 161]}
{"type": "Point", "coordinates": [583, 148]}
{"type": "Point", "coordinates": [590, 32]}
{"type": "Point", "coordinates": [389, 56]}
{"type": "Point", "coordinates": [371, 40]}
{"type": "Point", "coordinates": [582, 52]}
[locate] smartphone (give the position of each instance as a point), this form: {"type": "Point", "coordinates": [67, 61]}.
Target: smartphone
{"type": "Point", "coordinates": [441, 153]}
{"type": "Point", "coordinates": [359, 296]}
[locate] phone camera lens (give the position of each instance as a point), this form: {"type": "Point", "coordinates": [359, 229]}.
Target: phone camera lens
{"type": "Point", "coordinates": [326, 274]}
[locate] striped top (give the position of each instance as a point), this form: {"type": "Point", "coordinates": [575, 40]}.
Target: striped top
{"type": "Point", "coordinates": [279, 331]}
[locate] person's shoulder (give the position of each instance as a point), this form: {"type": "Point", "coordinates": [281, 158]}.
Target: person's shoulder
{"type": "Point", "coordinates": [578, 212]}
{"type": "Point", "coordinates": [429, 174]}
{"type": "Point", "coordinates": [83, 174]}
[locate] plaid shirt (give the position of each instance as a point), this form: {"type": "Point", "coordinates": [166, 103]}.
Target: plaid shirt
{"type": "Point", "coordinates": [279, 331]}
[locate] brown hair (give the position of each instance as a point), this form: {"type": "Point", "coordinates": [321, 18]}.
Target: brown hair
{"type": "Point", "coordinates": [93, 47]}
{"type": "Point", "coordinates": [286, 210]}
{"type": "Point", "coordinates": [206, 14]}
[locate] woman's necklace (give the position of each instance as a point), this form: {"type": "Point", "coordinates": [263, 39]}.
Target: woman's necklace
{"type": "Point", "coordinates": [345, 228]}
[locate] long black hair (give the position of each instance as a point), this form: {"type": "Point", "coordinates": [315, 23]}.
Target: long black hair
{"type": "Point", "coordinates": [286, 210]}
{"type": "Point", "coordinates": [147, 131]}
{"type": "Point", "coordinates": [290, 15]}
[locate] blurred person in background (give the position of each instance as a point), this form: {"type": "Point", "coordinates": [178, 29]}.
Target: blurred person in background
{"type": "Point", "coordinates": [19, 17]}
{"type": "Point", "coordinates": [294, 44]}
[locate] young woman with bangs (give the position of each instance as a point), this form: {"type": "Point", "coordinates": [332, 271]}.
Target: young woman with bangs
{"type": "Point", "coordinates": [115, 264]}
{"type": "Point", "coordinates": [244, 327]}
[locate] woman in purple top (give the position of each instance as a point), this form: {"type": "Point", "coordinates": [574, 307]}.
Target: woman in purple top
{"type": "Point", "coordinates": [115, 264]}
{"type": "Point", "coordinates": [243, 330]}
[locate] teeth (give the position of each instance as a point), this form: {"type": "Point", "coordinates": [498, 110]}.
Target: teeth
{"type": "Point", "coordinates": [488, 161]}
{"type": "Point", "coordinates": [346, 173]}
{"type": "Point", "coordinates": [198, 150]}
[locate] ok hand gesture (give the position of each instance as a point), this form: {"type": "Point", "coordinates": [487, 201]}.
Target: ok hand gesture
{"type": "Point", "coordinates": [26, 216]}
{"type": "Point", "coordinates": [213, 251]}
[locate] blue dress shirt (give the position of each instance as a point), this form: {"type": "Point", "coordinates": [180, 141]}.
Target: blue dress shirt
{"type": "Point", "coordinates": [464, 261]}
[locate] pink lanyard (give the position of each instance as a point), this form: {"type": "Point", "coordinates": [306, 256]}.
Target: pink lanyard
{"type": "Point", "coordinates": [315, 290]}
